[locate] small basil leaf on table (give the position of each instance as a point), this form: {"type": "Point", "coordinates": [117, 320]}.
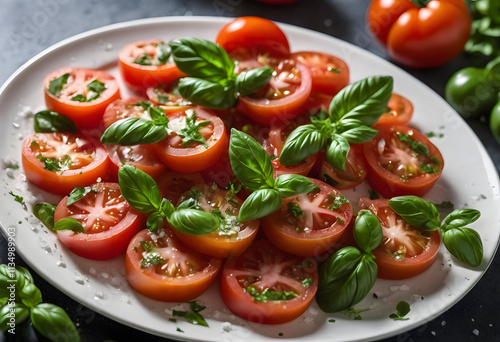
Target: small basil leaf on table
{"type": "Point", "coordinates": [47, 121]}
{"type": "Point", "coordinates": [464, 244]}
{"type": "Point", "coordinates": [291, 184]}
{"type": "Point", "coordinates": [303, 142]}
{"type": "Point", "coordinates": [54, 323]}
{"type": "Point", "coordinates": [417, 212]}
{"type": "Point", "coordinates": [367, 231]}
{"type": "Point", "coordinates": [460, 218]}
{"type": "Point", "coordinates": [139, 189]}
{"type": "Point", "coordinates": [133, 131]}
{"type": "Point", "coordinates": [259, 204]}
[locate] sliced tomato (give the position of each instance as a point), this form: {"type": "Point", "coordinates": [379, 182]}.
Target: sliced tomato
{"type": "Point", "coordinates": [405, 251]}
{"type": "Point", "coordinates": [400, 111]}
{"type": "Point", "coordinates": [162, 95]}
{"type": "Point", "coordinates": [353, 175]}
{"type": "Point", "coordinates": [318, 101]}
{"type": "Point", "coordinates": [253, 33]}
{"type": "Point", "coordinates": [74, 93]}
{"type": "Point", "coordinates": [146, 63]}
{"type": "Point", "coordinates": [283, 98]}
{"type": "Point", "coordinates": [232, 237]}
{"type": "Point", "coordinates": [264, 269]}
{"type": "Point", "coordinates": [131, 107]}
{"type": "Point", "coordinates": [139, 156]}
{"type": "Point", "coordinates": [173, 184]}
{"type": "Point", "coordinates": [309, 224]}
{"type": "Point", "coordinates": [160, 267]}
{"type": "Point", "coordinates": [59, 162]}
{"type": "Point", "coordinates": [109, 222]}
{"type": "Point", "coordinates": [192, 156]}
{"type": "Point", "coordinates": [329, 73]}
{"type": "Point", "coordinates": [402, 161]}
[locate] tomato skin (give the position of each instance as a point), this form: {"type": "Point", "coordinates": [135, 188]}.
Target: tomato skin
{"type": "Point", "coordinates": [193, 158]}
{"type": "Point", "coordinates": [173, 184]}
{"type": "Point", "coordinates": [354, 174]}
{"type": "Point", "coordinates": [141, 77]}
{"type": "Point", "coordinates": [389, 184]}
{"type": "Point", "coordinates": [84, 114]}
{"type": "Point", "coordinates": [421, 37]}
{"type": "Point", "coordinates": [138, 156]}
{"type": "Point", "coordinates": [289, 234]}
{"type": "Point", "coordinates": [281, 110]}
{"type": "Point", "coordinates": [90, 169]}
{"type": "Point", "coordinates": [122, 109]}
{"type": "Point", "coordinates": [262, 255]}
{"type": "Point", "coordinates": [101, 245]}
{"type": "Point", "coordinates": [150, 282]}
{"type": "Point", "coordinates": [400, 111]}
{"type": "Point", "coordinates": [390, 267]}
{"type": "Point", "coordinates": [329, 73]}
{"type": "Point", "coordinates": [250, 32]}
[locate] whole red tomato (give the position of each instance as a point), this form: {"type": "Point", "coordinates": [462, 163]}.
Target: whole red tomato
{"type": "Point", "coordinates": [425, 36]}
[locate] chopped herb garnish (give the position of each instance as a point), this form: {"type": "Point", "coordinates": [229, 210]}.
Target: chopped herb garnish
{"type": "Point", "coordinates": [57, 84]}
{"type": "Point", "coordinates": [305, 264]}
{"type": "Point", "coordinates": [17, 198]}
{"type": "Point", "coordinates": [295, 209]}
{"type": "Point", "coordinates": [192, 316]}
{"type": "Point", "coordinates": [335, 70]}
{"type": "Point", "coordinates": [338, 201]}
{"type": "Point", "coordinates": [416, 146]}
{"type": "Point", "coordinates": [354, 314]}
{"type": "Point", "coordinates": [191, 133]}
{"type": "Point", "coordinates": [268, 294]}
{"type": "Point", "coordinates": [150, 256]}
{"type": "Point", "coordinates": [402, 309]}
{"type": "Point", "coordinates": [307, 282]}
{"type": "Point", "coordinates": [56, 165]}
{"type": "Point", "coordinates": [95, 88]}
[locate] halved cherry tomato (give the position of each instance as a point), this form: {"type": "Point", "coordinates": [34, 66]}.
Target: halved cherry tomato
{"type": "Point", "coordinates": [353, 175]}
{"type": "Point", "coordinates": [81, 94]}
{"type": "Point", "coordinates": [173, 184]}
{"type": "Point", "coordinates": [125, 108]}
{"type": "Point", "coordinates": [232, 237]}
{"type": "Point", "coordinates": [402, 161]}
{"type": "Point", "coordinates": [253, 33]}
{"type": "Point", "coordinates": [59, 162]}
{"type": "Point", "coordinates": [160, 267]}
{"type": "Point", "coordinates": [400, 111]}
{"type": "Point", "coordinates": [329, 73]}
{"type": "Point", "coordinates": [261, 269]}
{"type": "Point", "coordinates": [284, 97]}
{"type": "Point", "coordinates": [139, 156]}
{"type": "Point", "coordinates": [147, 63]}
{"type": "Point", "coordinates": [405, 251]}
{"type": "Point", "coordinates": [109, 222]}
{"type": "Point", "coordinates": [193, 156]}
{"type": "Point", "coordinates": [309, 224]}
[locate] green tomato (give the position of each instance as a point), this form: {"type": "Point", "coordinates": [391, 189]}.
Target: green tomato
{"type": "Point", "coordinates": [495, 121]}
{"type": "Point", "coordinates": [472, 91]}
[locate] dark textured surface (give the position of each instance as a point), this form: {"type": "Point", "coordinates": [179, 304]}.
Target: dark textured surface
{"type": "Point", "coordinates": [27, 27]}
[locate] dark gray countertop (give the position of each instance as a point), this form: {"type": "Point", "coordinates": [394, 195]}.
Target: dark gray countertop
{"type": "Point", "coordinates": [28, 27]}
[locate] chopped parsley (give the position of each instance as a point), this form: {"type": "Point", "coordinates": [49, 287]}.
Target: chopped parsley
{"type": "Point", "coordinates": [270, 295]}
{"type": "Point", "coordinates": [56, 165]}
{"type": "Point", "coordinates": [150, 256]}
{"type": "Point", "coordinates": [402, 309]}
{"type": "Point", "coordinates": [191, 133]}
{"type": "Point", "coordinates": [57, 84]}
{"type": "Point", "coordinates": [416, 146]}
{"type": "Point", "coordinates": [338, 201]}
{"type": "Point", "coordinates": [17, 198]}
{"type": "Point", "coordinates": [295, 209]}
{"type": "Point", "coordinates": [192, 316]}
{"type": "Point", "coordinates": [95, 88]}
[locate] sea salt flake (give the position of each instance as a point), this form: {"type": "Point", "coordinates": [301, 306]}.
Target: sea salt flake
{"type": "Point", "coordinates": [226, 326]}
{"type": "Point", "coordinates": [475, 332]}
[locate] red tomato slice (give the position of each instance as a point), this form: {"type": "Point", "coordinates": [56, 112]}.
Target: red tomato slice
{"type": "Point", "coordinates": [400, 111]}
{"type": "Point", "coordinates": [318, 101]}
{"type": "Point", "coordinates": [405, 251]}
{"type": "Point", "coordinates": [75, 97]}
{"type": "Point", "coordinates": [109, 222]}
{"type": "Point", "coordinates": [309, 224]}
{"type": "Point", "coordinates": [394, 168]}
{"type": "Point", "coordinates": [195, 156]}
{"type": "Point", "coordinates": [168, 271]}
{"type": "Point", "coordinates": [253, 33]}
{"type": "Point", "coordinates": [123, 109]}
{"type": "Point", "coordinates": [59, 162]}
{"type": "Point", "coordinates": [329, 73]}
{"type": "Point", "coordinates": [232, 237]}
{"type": "Point", "coordinates": [138, 156]}
{"type": "Point", "coordinates": [283, 98]}
{"type": "Point", "coordinates": [173, 184]}
{"type": "Point", "coordinates": [353, 175]}
{"type": "Point", "coordinates": [162, 95]}
{"type": "Point", "coordinates": [143, 64]}
{"type": "Point", "coordinates": [263, 267]}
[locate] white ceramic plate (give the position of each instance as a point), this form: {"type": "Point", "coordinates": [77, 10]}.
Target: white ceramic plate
{"type": "Point", "coordinates": [469, 180]}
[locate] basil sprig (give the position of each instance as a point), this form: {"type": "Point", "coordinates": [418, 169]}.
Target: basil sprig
{"type": "Point", "coordinates": [47, 121]}
{"type": "Point", "coordinates": [253, 167]}
{"type": "Point", "coordinates": [463, 243]}
{"type": "Point", "coordinates": [351, 113]}
{"type": "Point", "coordinates": [142, 193]}
{"type": "Point", "coordinates": [348, 275]}
{"type": "Point", "coordinates": [211, 80]}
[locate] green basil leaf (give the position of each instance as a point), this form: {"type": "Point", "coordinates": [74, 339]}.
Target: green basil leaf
{"type": "Point", "coordinates": [365, 100]}
{"type": "Point", "coordinates": [337, 266]}
{"type": "Point", "coordinates": [17, 311]}
{"type": "Point", "coordinates": [158, 116]}
{"type": "Point", "coordinates": [27, 275]}
{"type": "Point", "coordinates": [251, 80]}
{"type": "Point", "coordinates": [193, 222]}
{"type": "Point", "coordinates": [417, 212]}
{"type": "Point", "coordinates": [133, 131]}
{"type": "Point", "coordinates": [259, 204]}
{"type": "Point", "coordinates": [460, 218]}
{"type": "Point", "coordinates": [77, 193]}
{"type": "Point", "coordinates": [30, 295]}
{"type": "Point", "coordinates": [69, 223]}
{"type": "Point", "coordinates": [54, 323]}
{"type": "Point", "coordinates": [304, 141]}
{"type": "Point", "coordinates": [191, 316]}
{"type": "Point", "coordinates": [47, 121]}
{"type": "Point", "coordinates": [337, 151]}
{"type": "Point", "coordinates": [201, 58]}
{"type": "Point", "coordinates": [208, 94]}
{"type": "Point", "coordinates": [250, 162]}
{"type": "Point", "coordinates": [45, 213]}
{"type": "Point", "coordinates": [355, 132]}
{"type": "Point", "coordinates": [290, 185]}
{"type": "Point", "coordinates": [139, 189]}
{"type": "Point", "coordinates": [155, 221]}
{"type": "Point", "coordinates": [367, 231]}
{"type": "Point", "coordinates": [11, 280]}
{"type": "Point", "coordinates": [464, 244]}
{"type": "Point", "coordinates": [57, 84]}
